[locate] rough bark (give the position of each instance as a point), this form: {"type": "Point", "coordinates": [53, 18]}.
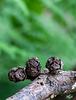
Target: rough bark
{"type": "Point", "coordinates": [48, 85]}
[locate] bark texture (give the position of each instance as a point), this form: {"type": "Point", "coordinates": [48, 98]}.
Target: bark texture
{"type": "Point", "coordinates": [48, 85]}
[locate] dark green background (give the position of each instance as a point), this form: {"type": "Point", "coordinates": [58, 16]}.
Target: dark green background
{"type": "Point", "coordinates": [41, 28]}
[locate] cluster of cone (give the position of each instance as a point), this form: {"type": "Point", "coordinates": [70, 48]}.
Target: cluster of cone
{"type": "Point", "coordinates": [33, 69]}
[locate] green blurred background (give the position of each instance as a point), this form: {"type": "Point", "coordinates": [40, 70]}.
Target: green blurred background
{"type": "Point", "coordinates": [40, 28]}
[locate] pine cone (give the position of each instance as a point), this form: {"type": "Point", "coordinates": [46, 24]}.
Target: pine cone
{"type": "Point", "coordinates": [17, 74]}
{"type": "Point", "coordinates": [54, 65]}
{"type": "Point", "coordinates": [33, 67]}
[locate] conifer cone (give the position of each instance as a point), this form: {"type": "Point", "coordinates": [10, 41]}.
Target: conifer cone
{"type": "Point", "coordinates": [33, 67]}
{"type": "Point", "coordinates": [54, 65]}
{"type": "Point", "coordinates": [17, 74]}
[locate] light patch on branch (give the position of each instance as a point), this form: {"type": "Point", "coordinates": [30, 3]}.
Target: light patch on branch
{"type": "Point", "coordinates": [74, 86]}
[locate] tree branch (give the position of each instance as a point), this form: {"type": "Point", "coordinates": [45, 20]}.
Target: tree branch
{"type": "Point", "coordinates": [48, 85]}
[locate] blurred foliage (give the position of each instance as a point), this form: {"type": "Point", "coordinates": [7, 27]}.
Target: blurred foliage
{"type": "Point", "coordinates": [41, 28]}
